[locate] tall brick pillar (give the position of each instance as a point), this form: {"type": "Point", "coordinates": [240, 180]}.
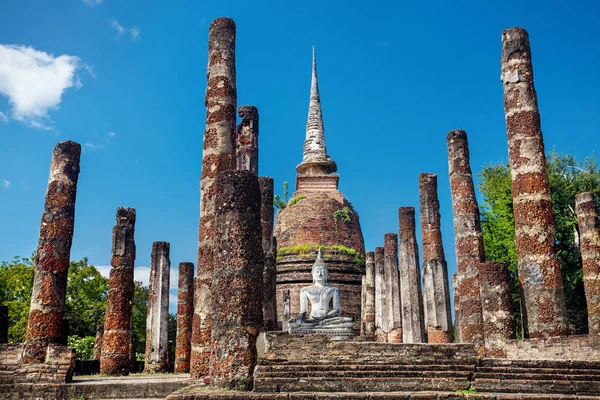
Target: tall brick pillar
{"type": "Point", "coordinates": [157, 352]}
{"type": "Point", "coordinates": [539, 266]}
{"type": "Point", "coordinates": [368, 323]}
{"type": "Point", "coordinates": [218, 154]}
{"type": "Point", "coordinates": [3, 324]}
{"type": "Point", "coordinates": [247, 140]}
{"type": "Point", "coordinates": [498, 316]}
{"type": "Point", "coordinates": [393, 300]}
{"type": "Point", "coordinates": [457, 333]}
{"type": "Point", "coordinates": [467, 237]}
{"type": "Point", "coordinates": [589, 238]}
{"type": "Point", "coordinates": [380, 296]}
{"type": "Point", "coordinates": [114, 356]}
{"type": "Point", "coordinates": [185, 313]}
{"type": "Point", "coordinates": [436, 291]}
{"type": "Point", "coordinates": [413, 328]}
{"type": "Point", "coordinates": [45, 324]}
{"type": "Point", "coordinates": [237, 281]}
{"type": "Point", "coordinates": [270, 253]}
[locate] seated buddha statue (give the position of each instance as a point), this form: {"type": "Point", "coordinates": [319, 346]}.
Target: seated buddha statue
{"type": "Point", "coordinates": [324, 316]}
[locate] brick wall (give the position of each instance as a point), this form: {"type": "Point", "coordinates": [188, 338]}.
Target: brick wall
{"type": "Point", "coordinates": [578, 347]}
{"type": "Point", "coordinates": [57, 368]}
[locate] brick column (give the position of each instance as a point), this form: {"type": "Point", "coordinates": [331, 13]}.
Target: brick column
{"type": "Point", "coordinates": [457, 332]}
{"type": "Point", "coordinates": [467, 237]}
{"type": "Point", "coordinates": [436, 291]}
{"type": "Point", "coordinates": [380, 295]}
{"type": "Point", "coordinates": [392, 283]}
{"type": "Point", "coordinates": [498, 316]}
{"type": "Point", "coordinates": [185, 313]}
{"type": "Point", "coordinates": [158, 309]}
{"type": "Point", "coordinates": [218, 154]}
{"type": "Point", "coordinates": [589, 238]}
{"type": "Point", "coordinates": [369, 288]}
{"type": "Point", "coordinates": [247, 140]}
{"type": "Point", "coordinates": [98, 342]}
{"type": "Point", "coordinates": [52, 258]}
{"type": "Point", "coordinates": [114, 358]}
{"type": "Point", "coordinates": [539, 266]}
{"type": "Point", "coordinates": [413, 328]}
{"type": "Point", "coordinates": [3, 324]}
{"type": "Point", "coordinates": [270, 253]}
{"type": "Point", "coordinates": [237, 281]}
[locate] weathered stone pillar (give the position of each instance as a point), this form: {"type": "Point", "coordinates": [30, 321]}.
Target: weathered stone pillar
{"type": "Point", "coordinates": [380, 295]}
{"type": "Point", "coordinates": [457, 333]}
{"type": "Point", "coordinates": [393, 300]}
{"type": "Point", "coordinates": [133, 367]}
{"type": "Point", "coordinates": [467, 237]}
{"type": "Point", "coordinates": [3, 324]}
{"type": "Point", "coordinates": [498, 316]}
{"type": "Point", "coordinates": [185, 313]}
{"type": "Point", "coordinates": [114, 358]}
{"type": "Point", "coordinates": [237, 281]}
{"type": "Point", "coordinates": [98, 342]}
{"type": "Point", "coordinates": [52, 258]}
{"type": "Point", "coordinates": [269, 247]}
{"type": "Point", "coordinates": [413, 328]}
{"type": "Point", "coordinates": [436, 291]}
{"type": "Point", "coordinates": [539, 266]}
{"type": "Point", "coordinates": [158, 309]}
{"type": "Point", "coordinates": [247, 140]}
{"type": "Point", "coordinates": [369, 287]}
{"type": "Point", "coordinates": [218, 155]}
{"type": "Point", "coordinates": [589, 239]}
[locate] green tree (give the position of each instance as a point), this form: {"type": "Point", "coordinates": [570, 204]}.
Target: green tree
{"type": "Point", "coordinates": [280, 202]}
{"type": "Point", "coordinates": [85, 304]}
{"type": "Point", "coordinates": [567, 177]}
{"type": "Point", "coordinates": [140, 311]}
{"type": "Point", "coordinates": [16, 282]}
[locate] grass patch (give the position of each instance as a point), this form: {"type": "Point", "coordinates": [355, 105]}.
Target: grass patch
{"type": "Point", "coordinates": [470, 390]}
{"type": "Point", "coordinates": [307, 250]}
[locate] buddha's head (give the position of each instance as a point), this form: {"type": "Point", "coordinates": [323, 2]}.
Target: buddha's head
{"type": "Point", "coordinates": [319, 270]}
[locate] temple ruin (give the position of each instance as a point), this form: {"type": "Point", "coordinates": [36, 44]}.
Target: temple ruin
{"type": "Point", "coordinates": [290, 306]}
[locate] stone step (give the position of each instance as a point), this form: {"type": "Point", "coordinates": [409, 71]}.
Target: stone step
{"type": "Point", "coordinates": [549, 371]}
{"type": "Point", "coordinates": [333, 384]}
{"type": "Point", "coordinates": [361, 367]}
{"type": "Point", "coordinates": [536, 386]}
{"type": "Point", "coordinates": [364, 374]}
{"type": "Point", "coordinates": [554, 364]}
{"type": "Point", "coordinates": [536, 377]}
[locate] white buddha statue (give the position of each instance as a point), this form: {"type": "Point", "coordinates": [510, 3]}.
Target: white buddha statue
{"type": "Point", "coordinates": [324, 316]}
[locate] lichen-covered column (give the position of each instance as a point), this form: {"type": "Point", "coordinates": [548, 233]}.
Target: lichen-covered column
{"type": "Point", "coordinates": [589, 239]}
{"type": "Point", "coordinates": [237, 281]}
{"type": "Point", "coordinates": [3, 324]}
{"type": "Point", "coordinates": [498, 316]}
{"type": "Point", "coordinates": [157, 352]}
{"type": "Point", "coordinates": [380, 295]}
{"type": "Point", "coordinates": [52, 258]}
{"type": "Point", "coordinates": [114, 358]}
{"type": "Point", "coordinates": [185, 313]}
{"type": "Point", "coordinates": [436, 291]}
{"type": "Point", "coordinates": [539, 266]}
{"type": "Point", "coordinates": [467, 237]}
{"type": "Point", "coordinates": [247, 140]}
{"type": "Point", "coordinates": [457, 332]}
{"type": "Point", "coordinates": [369, 304]}
{"type": "Point", "coordinates": [413, 328]}
{"type": "Point", "coordinates": [393, 300]}
{"type": "Point", "coordinates": [218, 154]}
{"type": "Point", "coordinates": [270, 253]}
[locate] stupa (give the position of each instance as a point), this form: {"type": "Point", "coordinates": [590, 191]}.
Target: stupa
{"type": "Point", "coordinates": [318, 216]}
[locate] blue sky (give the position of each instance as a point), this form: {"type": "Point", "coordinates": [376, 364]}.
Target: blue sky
{"type": "Point", "coordinates": [127, 81]}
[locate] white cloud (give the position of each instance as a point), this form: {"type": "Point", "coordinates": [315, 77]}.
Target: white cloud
{"type": "Point", "coordinates": [25, 186]}
{"type": "Point", "coordinates": [6, 183]}
{"type": "Point", "coordinates": [93, 146]}
{"type": "Point", "coordinates": [111, 134]}
{"type": "Point", "coordinates": [34, 81]}
{"type": "Point", "coordinates": [3, 117]}
{"type": "Point", "coordinates": [133, 32]}
{"type": "Point", "coordinates": [92, 3]}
